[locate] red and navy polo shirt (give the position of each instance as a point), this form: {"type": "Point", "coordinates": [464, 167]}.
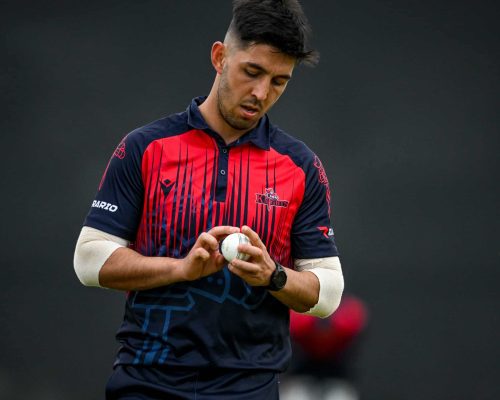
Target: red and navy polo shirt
{"type": "Point", "coordinates": [175, 178]}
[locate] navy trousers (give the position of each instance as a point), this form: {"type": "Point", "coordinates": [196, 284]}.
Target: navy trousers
{"type": "Point", "coordinates": [130, 382]}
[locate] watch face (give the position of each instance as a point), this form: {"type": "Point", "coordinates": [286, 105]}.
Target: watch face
{"type": "Point", "coordinates": [279, 278]}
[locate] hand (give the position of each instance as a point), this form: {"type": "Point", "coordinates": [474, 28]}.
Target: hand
{"type": "Point", "coordinates": [204, 257]}
{"type": "Point", "coordinates": [258, 269]}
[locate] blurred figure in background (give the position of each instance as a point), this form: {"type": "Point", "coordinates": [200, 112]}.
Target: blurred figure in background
{"type": "Point", "coordinates": [324, 352]}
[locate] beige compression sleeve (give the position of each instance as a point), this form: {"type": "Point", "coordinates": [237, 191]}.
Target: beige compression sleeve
{"type": "Point", "coordinates": [331, 283]}
{"type": "Point", "coordinates": [92, 250]}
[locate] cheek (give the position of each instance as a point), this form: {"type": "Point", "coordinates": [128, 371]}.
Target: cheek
{"type": "Point", "coordinates": [275, 95]}
{"type": "Point", "coordinates": [233, 88]}
{"type": "Point", "coordinates": [225, 92]}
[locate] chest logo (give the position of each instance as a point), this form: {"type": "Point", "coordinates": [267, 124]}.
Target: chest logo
{"type": "Point", "coordinates": [270, 199]}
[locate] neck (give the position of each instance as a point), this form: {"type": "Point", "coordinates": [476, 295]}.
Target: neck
{"type": "Point", "coordinates": [211, 114]}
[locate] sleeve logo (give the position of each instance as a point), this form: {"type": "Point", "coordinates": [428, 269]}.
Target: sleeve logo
{"type": "Point", "coordinates": [323, 179]}
{"type": "Point", "coordinates": [120, 151]}
{"type": "Point", "coordinates": [326, 231]}
{"type": "Point", "coordinates": [105, 206]}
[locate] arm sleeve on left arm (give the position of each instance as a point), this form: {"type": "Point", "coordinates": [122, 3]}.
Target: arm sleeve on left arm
{"type": "Point", "coordinates": [331, 283]}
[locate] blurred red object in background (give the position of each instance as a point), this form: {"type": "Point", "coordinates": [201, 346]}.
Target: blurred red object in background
{"type": "Point", "coordinates": [323, 339]}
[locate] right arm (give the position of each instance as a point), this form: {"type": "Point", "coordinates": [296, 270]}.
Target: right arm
{"type": "Point", "coordinates": [104, 260]}
{"type": "Point", "coordinates": [102, 257]}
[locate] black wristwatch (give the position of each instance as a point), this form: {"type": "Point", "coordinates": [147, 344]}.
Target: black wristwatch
{"type": "Point", "coordinates": [278, 278]}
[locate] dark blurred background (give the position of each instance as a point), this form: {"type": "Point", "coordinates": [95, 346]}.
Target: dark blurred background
{"type": "Point", "coordinates": [402, 109]}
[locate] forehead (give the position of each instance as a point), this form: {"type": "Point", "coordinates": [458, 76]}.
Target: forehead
{"type": "Point", "coordinates": [268, 57]}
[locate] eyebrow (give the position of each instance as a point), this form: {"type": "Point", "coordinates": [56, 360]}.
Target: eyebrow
{"type": "Point", "coordinates": [261, 68]}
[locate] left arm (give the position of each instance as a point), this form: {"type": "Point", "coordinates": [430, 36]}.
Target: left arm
{"type": "Point", "coordinates": [314, 288]}
{"type": "Point", "coordinates": [301, 292]}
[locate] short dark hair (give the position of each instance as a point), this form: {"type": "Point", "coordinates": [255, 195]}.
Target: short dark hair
{"type": "Point", "coordinates": [278, 23]}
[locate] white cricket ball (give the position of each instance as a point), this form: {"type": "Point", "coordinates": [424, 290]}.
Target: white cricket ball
{"type": "Point", "coordinates": [229, 247]}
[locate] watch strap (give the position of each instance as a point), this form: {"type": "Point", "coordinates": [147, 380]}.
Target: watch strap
{"type": "Point", "coordinates": [278, 278]}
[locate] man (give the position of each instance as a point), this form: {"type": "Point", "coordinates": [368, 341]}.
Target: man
{"type": "Point", "coordinates": [195, 327]}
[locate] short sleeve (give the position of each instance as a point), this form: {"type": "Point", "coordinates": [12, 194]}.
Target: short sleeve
{"type": "Point", "coordinates": [117, 206]}
{"type": "Point", "coordinates": [312, 231]}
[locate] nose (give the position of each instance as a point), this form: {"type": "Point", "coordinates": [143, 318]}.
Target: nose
{"type": "Point", "coordinates": [261, 89]}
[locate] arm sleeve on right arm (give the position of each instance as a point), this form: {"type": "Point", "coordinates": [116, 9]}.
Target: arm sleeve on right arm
{"type": "Point", "coordinates": [92, 250]}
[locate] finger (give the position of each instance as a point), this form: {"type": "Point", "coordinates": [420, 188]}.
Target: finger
{"type": "Point", "coordinates": [253, 236]}
{"type": "Point", "coordinates": [219, 231]}
{"type": "Point", "coordinates": [250, 273]}
{"type": "Point", "coordinates": [252, 251]}
{"type": "Point", "coordinates": [244, 266]}
{"type": "Point", "coordinates": [201, 254]}
{"type": "Point", "coordinates": [207, 241]}
{"type": "Point", "coordinates": [238, 271]}
{"type": "Point", "coordinates": [235, 270]}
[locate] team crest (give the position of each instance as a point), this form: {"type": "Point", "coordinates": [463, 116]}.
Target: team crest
{"type": "Point", "coordinates": [270, 199]}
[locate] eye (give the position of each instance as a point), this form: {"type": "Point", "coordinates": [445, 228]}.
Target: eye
{"type": "Point", "coordinates": [279, 82]}
{"type": "Point", "coordinates": [251, 73]}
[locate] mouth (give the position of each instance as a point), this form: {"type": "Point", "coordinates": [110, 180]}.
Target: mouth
{"type": "Point", "coordinates": [249, 111]}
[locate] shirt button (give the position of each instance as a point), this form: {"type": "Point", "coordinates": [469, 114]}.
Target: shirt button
{"type": "Point", "coordinates": [224, 150]}
{"type": "Point", "coordinates": [222, 172]}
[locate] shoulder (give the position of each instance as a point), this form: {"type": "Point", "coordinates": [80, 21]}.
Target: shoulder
{"type": "Point", "coordinates": [172, 125]}
{"type": "Point", "coordinates": [295, 149]}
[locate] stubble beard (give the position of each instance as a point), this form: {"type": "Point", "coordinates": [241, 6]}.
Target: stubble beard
{"type": "Point", "coordinates": [224, 92]}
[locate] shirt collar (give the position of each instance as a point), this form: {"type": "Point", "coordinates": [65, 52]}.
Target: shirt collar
{"type": "Point", "coordinates": [259, 135]}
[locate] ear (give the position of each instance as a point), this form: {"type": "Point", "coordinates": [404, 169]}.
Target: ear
{"type": "Point", "coordinates": [218, 56]}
